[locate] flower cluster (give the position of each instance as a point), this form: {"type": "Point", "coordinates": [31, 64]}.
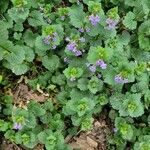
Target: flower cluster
{"type": "Point", "coordinates": [100, 63]}
{"type": "Point", "coordinates": [82, 30]}
{"type": "Point", "coordinates": [111, 24]}
{"type": "Point", "coordinates": [46, 39]}
{"type": "Point", "coordinates": [72, 46]}
{"type": "Point", "coordinates": [119, 79]}
{"type": "Point", "coordinates": [94, 19]}
{"type": "Point", "coordinates": [50, 40]}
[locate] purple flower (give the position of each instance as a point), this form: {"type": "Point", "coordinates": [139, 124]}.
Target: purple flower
{"type": "Point", "coordinates": [115, 130]}
{"type": "Point", "coordinates": [71, 46]}
{"type": "Point", "coordinates": [82, 39]}
{"type": "Point", "coordinates": [54, 47]}
{"type": "Point", "coordinates": [94, 19]}
{"type": "Point", "coordinates": [62, 18]}
{"type": "Point", "coordinates": [111, 24]}
{"type": "Point", "coordinates": [17, 126]}
{"type": "Point", "coordinates": [46, 39]}
{"type": "Point", "coordinates": [119, 79]}
{"type": "Point", "coordinates": [81, 30]}
{"type": "Point", "coordinates": [87, 29]}
{"type": "Point", "coordinates": [54, 39]}
{"type": "Point", "coordinates": [101, 64]}
{"type": "Point", "coordinates": [55, 33]}
{"type": "Point", "coordinates": [78, 53]}
{"type": "Point", "coordinates": [92, 68]}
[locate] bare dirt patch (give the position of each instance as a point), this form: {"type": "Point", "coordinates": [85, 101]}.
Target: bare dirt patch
{"type": "Point", "coordinates": [96, 139]}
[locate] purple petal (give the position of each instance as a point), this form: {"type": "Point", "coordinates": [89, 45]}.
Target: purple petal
{"type": "Point", "coordinates": [78, 53]}
{"type": "Point", "coordinates": [94, 19]}
{"type": "Point", "coordinates": [55, 33]}
{"type": "Point", "coordinates": [54, 47]}
{"type": "Point", "coordinates": [111, 24]}
{"type": "Point", "coordinates": [115, 130]}
{"type": "Point", "coordinates": [54, 39]}
{"type": "Point", "coordinates": [71, 46]}
{"type": "Point", "coordinates": [102, 64]}
{"type": "Point", "coordinates": [119, 79]}
{"type": "Point", "coordinates": [92, 68]}
{"type": "Point", "coordinates": [62, 18]}
{"type": "Point", "coordinates": [17, 126]}
{"type": "Point", "coordinates": [87, 29]}
{"type": "Point", "coordinates": [81, 30]}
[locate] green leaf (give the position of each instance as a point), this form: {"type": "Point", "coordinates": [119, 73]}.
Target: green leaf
{"type": "Point", "coordinates": [40, 47]}
{"type": "Point", "coordinates": [18, 15]}
{"type": "Point", "coordinates": [148, 120]}
{"type": "Point", "coordinates": [82, 84]}
{"type": "Point", "coordinates": [31, 120]}
{"type": "Point", "coordinates": [95, 85]}
{"type": "Point", "coordinates": [73, 73]}
{"type": "Point", "coordinates": [36, 108]}
{"type": "Point", "coordinates": [48, 105]}
{"type": "Point", "coordinates": [143, 38]}
{"type": "Point", "coordinates": [129, 21]}
{"type": "Point", "coordinates": [124, 128]}
{"type": "Point", "coordinates": [29, 38]}
{"type": "Point", "coordinates": [17, 36]}
{"type": "Point", "coordinates": [58, 79]}
{"type": "Point", "coordinates": [77, 16]}
{"type": "Point", "coordinates": [87, 124]}
{"type": "Point", "coordinates": [142, 143]}
{"type": "Point", "coordinates": [5, 48]}
{"type": "Point", "coordinates": [29, 54]}
{"type": "Point", "coordinates": [132, 105]}
{"type": "Point", "coordinates": [51, 62]}
{"type": "Point", "coordinates": [97, 53]}
{"type": "Point", "coordinates": [3, 5]}
{"type": "Point", "coordinates": [16, 55]}
{"type": "Point", "coordinates": [1, 79]}
{"type": "Point", "coordinates": [42, 137]}
{"type": "Point", "coordinates": [3, 30]}
{"type": "Point", "coordinates": [18, 26]}
{"type": "Point", "coordinates": [4, 126]}
{"type": "Point", "coordinates": [19, 69]}
{"type": "Point", "coordinates": [36, 19]}
{"type": "Point", "coordinates": [30, 140]}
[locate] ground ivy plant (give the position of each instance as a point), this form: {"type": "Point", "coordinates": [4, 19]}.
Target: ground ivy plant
{"type": "Point", "coordinates": [87, 55]}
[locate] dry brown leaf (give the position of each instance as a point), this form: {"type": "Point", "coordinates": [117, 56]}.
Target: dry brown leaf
{"type": "Point", "coordinates": [91, 142]}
